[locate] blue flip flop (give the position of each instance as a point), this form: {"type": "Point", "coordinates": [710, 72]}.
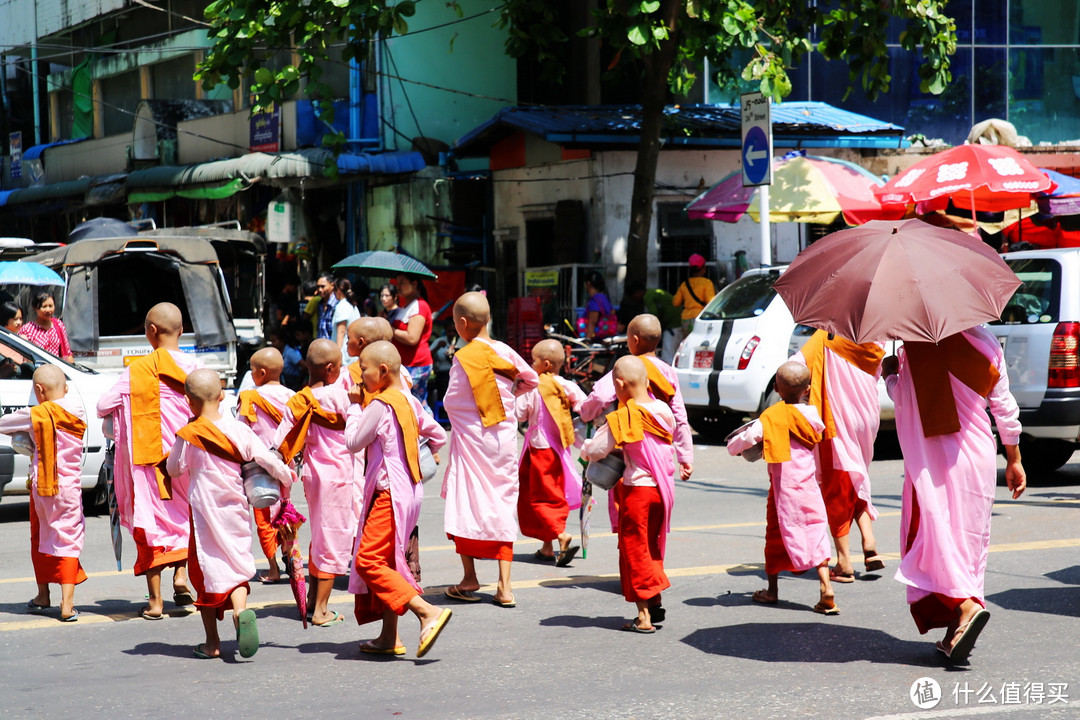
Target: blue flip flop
{"type": "Point", "coordinates": [247, 634]}
{"type": "Point", "coordinates": [73, 617]}
{"type": "Point", "coordinates": [34, 609]}
{"type": "Point", "coordinates": [336, 620]}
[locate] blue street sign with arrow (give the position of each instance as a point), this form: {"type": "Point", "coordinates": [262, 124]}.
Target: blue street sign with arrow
{"type": "Point", "coordinates": [755, 153]}
{"type": "Point", "coordinates": [756, 140]}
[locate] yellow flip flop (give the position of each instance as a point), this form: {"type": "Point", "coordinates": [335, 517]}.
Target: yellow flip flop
{"type": "Point", "coordinates": [432, 631]}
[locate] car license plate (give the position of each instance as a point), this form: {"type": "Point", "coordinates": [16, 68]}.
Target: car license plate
{"type": "Point", "coordinates": [703, 359]}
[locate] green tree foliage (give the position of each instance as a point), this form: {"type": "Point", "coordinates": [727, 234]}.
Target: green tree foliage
{"type": "Point", "coordinates": [667, 39]}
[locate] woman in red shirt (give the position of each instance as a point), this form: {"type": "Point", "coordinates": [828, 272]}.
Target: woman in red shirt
{"type": "Point", "coordinates": [412, 329]}
{"type": "Point", "coordinates": [46, 331]}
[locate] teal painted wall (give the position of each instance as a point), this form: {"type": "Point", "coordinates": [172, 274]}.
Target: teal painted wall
{"type": "Point", "coordinates": [466, 56]}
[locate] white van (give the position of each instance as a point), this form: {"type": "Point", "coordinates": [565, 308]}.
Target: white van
{"type": "Point", "coordinates": [727, 362]}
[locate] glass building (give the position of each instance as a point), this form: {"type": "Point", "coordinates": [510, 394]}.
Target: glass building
{"type": "Point", "coordinates": [1016, 59]}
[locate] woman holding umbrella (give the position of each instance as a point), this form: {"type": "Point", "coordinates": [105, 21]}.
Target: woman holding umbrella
{"type": "Point", "coordinates": [412, 329]}
{"type": "Point", "coordinates": [46, 331]}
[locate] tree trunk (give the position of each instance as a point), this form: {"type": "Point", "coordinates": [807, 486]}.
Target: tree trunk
{"type": "Point", "coordinates": [653, 98]}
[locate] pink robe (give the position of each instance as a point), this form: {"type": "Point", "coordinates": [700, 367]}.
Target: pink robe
{"type": "Point", "coordinates": [603, 395]}
{"type": "Point", "coordinates": [481, 481]}
{"type": "Point", "coordinates": [648, 460]}
{"type": "Point", "coordinates": [61, 530]}
{"type": "Point", "coordinates": [164, 522]}
{"type": "Point", "coordinates": [333, 485]}
{"type": "Point", "coordinates": [954, 478]}
{"type": "Point", "coordinates": [856, 411]}
{"type": "Point", "coordinates": [265, 428]}
{"type": "Point", "coordinates": [544, 434]}
{"type": "Point", "coordinates": [375, 430]}
{"type": "Point", "coordinates": [220, 514]}
{"type": "Point", "coordinates": [800, 509]}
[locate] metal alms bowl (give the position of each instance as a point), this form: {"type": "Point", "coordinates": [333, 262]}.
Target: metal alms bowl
{"type": "Point", "coordinates": [604, 473]}
{"type": "Point", "coordinates": [22, 443]}
{"type": "Point", "coordinates": [261, 488]}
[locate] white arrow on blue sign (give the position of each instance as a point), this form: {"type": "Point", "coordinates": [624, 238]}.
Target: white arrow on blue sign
{"type": "Point", "coordinates": [755, 153]}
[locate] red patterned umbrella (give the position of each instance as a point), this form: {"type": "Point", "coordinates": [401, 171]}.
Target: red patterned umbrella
{"type": "Point", "coordinates": [991, 178]}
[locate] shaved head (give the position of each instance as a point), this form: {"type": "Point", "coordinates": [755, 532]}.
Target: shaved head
{"type": "Point", "coordinates": [550, 350]}
{"type": "Point", "coordinates": [648, 330]}
{"type": "Point", "coordinates": [50, 377]}
{"type": "Point", "coordinates": [474, 307]}
{"type": "Point", "coordinates": [270, 360]}
{"type": "Point", "coordinates": [203, 385]}
{"type": "Point", "coordinates": [631, 370]}
{"type": "Point", "coordinates": [382, 352]}
{"type": "Point", "coordinates": [322, 352]}
{"type": "Point", "coordinates": [166, 317]}
{"type": "Point", "coordinates": [792, 379]}
{"type": "Point", "coordinates": [371, 329]}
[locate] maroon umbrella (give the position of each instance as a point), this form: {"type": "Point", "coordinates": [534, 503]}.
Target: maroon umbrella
{"type": "Point", "coordinates": [904, 280]}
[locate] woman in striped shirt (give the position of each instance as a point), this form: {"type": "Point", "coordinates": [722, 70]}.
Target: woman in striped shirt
{"type": "Point", "coordinates": [46, 331]}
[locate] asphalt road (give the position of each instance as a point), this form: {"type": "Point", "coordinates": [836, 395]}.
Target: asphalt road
{"type": "Point", "coordinates": [559, 654]}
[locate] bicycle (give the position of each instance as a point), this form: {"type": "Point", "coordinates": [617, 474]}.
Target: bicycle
{"type": "Point", "coordinates": [588, 362]}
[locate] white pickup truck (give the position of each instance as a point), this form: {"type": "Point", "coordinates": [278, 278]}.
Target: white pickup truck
{"type": "Point", "coordinates": [1039, 331]}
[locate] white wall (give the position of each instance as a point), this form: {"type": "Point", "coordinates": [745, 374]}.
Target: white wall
{"type": "Point", "coordinates": [605, 184]}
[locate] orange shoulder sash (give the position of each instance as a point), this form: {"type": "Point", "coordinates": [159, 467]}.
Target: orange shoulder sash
{"type": "Point", "coordinates": [46, 419]}
{"type": "Point", "coordinates": [558, 405]}
{"type": "Point", "coordinates": [481, 363]}
{"type": "Point", "coordinates": [207, 436]}
{"type": "Point", "coordinates": [410, 428]}
{"type": "Point", "coordinates": [779, 422]}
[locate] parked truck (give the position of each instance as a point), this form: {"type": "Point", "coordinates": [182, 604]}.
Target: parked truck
{"type": "Point", "coordinates": [112, 282]}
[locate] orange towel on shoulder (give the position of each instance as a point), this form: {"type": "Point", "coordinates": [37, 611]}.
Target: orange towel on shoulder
{"type": "Point", "coordinates": [205, 435]}
{"type": "Point", "coordinates": [145, 376]}
{"type": "Point", "coordinates": [46, 419]}
{"type": "Point", "coordinates": [305, 410]}
{"type": "Point", "coordinates": [931, 365]}
{"type": "Point", "coordinates": [252, 399]}
{"type": "Point", "coordinates": [865, 356]}
{"type": "Point", "coordinates": [410, 428]}
{"type": "Point", "coordinates": [661, 387]}
{"type": "Point", "coordinates": [558, 404]}
{"type": "Point", "coordinates": [481, 363]}
{"type": "Point", "coordinates": [630, 422]}
{"type": "Point", "coordinates": [779, 422]}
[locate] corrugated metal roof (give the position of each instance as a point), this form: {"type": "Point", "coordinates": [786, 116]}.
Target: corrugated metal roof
{"type": "Point", "coordinates": [794, 123]}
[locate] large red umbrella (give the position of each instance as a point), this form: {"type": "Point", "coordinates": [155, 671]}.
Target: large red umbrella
{"type": "Point", "coordinates": [904, 280]}
{"type": "Point", "coordinates": [991, 178]}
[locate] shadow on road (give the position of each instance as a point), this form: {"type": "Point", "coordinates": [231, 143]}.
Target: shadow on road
{"type": "Point", "coordinates": [822, 642]}
{"type": "Point", "coordinates": [1063, 601]}
{"type": "Point", "coordinates": [577, 622]}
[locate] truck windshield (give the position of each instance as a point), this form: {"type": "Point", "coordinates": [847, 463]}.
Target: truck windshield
{"type": "Point", "coordinates": [746, 297]}
{"type": "Point", "coordinates": [132, 282]}
{"type": "Point", "coordinates": [1036, 301]}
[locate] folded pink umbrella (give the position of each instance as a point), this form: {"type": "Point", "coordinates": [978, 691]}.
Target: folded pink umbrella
{"type": "Point", "coordinates": [904, 280]}
{"type": "Point", "coordinates": [288, 522]}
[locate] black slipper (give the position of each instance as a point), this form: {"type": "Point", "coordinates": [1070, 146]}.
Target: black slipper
{"type": "Point", "coordinates": [566, 556]}
{"type": "Point", "coordinates": [542, 557]}
{"type": "Point", "coordinates": [657, 614]}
